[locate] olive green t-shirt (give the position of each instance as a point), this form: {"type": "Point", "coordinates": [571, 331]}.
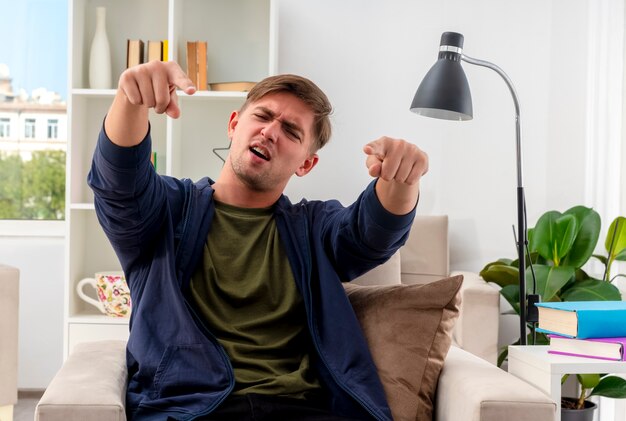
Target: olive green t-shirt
{"type": "Point", "coordinates": [245, 290]}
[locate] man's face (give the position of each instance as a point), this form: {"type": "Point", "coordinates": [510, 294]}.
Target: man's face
{"type": "Point", "coordinates": [271, 141]}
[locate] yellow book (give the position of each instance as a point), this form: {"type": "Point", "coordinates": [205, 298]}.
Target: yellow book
{"type": "Point", "coordinates": [165, 51]}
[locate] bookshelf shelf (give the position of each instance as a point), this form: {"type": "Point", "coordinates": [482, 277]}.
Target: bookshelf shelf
{"type": "Point", "coordinates": [242, 45]}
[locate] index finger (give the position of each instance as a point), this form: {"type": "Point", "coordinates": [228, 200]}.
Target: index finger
{"type": "Point", "coordinates": [178, 78]}
{"type": "Point", "coordinates": [375, 148]}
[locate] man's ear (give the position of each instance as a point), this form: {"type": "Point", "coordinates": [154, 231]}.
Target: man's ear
{"type": "Point", "coordinates": [307, 165]}
{"type": "Point", "coordinates": [232, 123]}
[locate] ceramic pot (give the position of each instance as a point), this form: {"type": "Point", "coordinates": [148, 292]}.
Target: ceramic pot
{"type": "Point", "coordinates": [585, 414]}
{"type": "Point", "coordinates": [100, 54]}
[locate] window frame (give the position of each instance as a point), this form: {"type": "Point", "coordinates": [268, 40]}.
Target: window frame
{"type": "Point", "coordinates": [5, 122]}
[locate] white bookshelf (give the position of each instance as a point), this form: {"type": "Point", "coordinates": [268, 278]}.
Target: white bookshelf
{"type": "Point", "coordinates": [241, 37]}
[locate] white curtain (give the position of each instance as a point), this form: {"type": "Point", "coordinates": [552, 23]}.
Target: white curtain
{"type": "Point", "coordinates": [605, 190]}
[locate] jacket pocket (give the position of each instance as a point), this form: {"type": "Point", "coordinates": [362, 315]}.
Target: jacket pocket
{"type": "Point", "coordinates": [190, 369]}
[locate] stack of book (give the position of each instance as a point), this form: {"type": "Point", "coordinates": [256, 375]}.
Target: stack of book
{"type": "Point", "coordinates": [590, 329]}
{"type": "Point", "coordinates": [137, 53]}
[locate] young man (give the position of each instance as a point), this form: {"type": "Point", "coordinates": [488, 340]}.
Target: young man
{"type": "Point", "coordinates": [238, 307]}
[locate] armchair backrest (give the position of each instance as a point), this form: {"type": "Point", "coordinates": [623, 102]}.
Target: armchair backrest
{"type": "Point", "coordinates": [424, 258]}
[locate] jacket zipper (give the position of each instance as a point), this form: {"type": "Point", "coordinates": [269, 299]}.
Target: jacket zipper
{"type": "Point", "coordinates": [363, 404]}
{"type": "Point", "coordinates": [199, 322]}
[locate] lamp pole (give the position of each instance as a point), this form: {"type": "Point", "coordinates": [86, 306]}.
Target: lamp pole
{"type": "Point", "coordinates": [521, 220]}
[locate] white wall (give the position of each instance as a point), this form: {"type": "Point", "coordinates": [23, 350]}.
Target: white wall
{"type": "Point", "coordinates": [370, 56]}
{"type": "Point", "coordinates": [40, 261]}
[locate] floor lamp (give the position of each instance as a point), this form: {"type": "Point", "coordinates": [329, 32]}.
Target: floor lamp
{"type": "Point", "coordinates": [444, 93]}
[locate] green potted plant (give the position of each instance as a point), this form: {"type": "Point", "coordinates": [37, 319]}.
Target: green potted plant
{"type": "Point", "coordinates": [590, 385]}
{"type": "Point", "coordinates": [559, 246]}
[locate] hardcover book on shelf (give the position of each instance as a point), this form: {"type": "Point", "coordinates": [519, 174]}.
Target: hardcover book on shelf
{"type": "Point", "coordinates": [165, 50]}
{"type": "Point", "coordinates": [232, 86]}
{"type": "Point", "coordinates": [155, 51]}
{"type": "Point", "coordinates": [600, 348]}
{"type": "Point", "coordinates": [192, 63]}
{"type": "Point", "coordinates": [197, 64]}
{"type": "Point", "coordinates": [201, 59]}
{"type": "Point", "coordinates": [583, 319]}
{"type": "Point", "coordinates": [134, 52]}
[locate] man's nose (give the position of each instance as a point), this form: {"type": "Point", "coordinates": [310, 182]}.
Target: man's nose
{"type": "Point", "coordinates": [271, 130]}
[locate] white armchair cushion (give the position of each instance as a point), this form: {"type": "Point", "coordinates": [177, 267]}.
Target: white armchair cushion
{"type": "Point", "coordinates": [91, 385]}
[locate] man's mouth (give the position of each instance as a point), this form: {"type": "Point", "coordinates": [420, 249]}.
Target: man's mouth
{"type": "Point", "coordinates": [258, 152]}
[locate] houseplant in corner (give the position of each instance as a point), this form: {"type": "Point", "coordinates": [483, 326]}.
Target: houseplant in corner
{"type": "Point", "coordinates": [559, 246]}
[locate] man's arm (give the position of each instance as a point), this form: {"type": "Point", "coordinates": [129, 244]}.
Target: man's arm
{"type": "Point", "coordinates": [149, 85]}
{"type": "Point", "coordinates": [399, 166]}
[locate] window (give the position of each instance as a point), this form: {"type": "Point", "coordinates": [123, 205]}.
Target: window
{"type": "Point", "coordinates": [32, 99]}
{"type": "Point", "coordinates": [53, 128]}
{"type": "Point", "coordinates": [5, 127]}
{"type": "Point", "coordinates": [29, 128]}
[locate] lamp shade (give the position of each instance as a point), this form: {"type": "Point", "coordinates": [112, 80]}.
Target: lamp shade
{"type": "Point", "coordinates": [444, 92]}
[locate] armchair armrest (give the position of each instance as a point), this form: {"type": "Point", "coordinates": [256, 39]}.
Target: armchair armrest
{"type": "Point", "coordinates": [91, 385]}
{"type": "Point", "coordinates": [476, 330]}
{"type": "Point", "coordinates": [471, 389]}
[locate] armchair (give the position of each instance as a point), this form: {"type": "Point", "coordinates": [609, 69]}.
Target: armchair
{"type": "Point", "coordinates": [9, 300]}
{"type": "Point", "coordinates": [91, 383]}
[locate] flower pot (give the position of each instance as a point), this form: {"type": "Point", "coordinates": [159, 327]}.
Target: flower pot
{"type": "Point", "coordinates": [585, 414]}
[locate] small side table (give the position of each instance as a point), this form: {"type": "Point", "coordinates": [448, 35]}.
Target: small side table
{"type": "Point", "coordinates": [534, 365]}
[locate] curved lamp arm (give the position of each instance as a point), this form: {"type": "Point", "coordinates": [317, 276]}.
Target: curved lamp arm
{"type": "Point", "coordinates": [521, 210]}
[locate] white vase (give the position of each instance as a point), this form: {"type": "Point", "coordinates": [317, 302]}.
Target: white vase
{"type": "Point", "coordinates": [100, 54]}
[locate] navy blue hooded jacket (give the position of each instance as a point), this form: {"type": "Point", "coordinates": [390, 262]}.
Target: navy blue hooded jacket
{"type": "Point", "coordinates": [157, 226]}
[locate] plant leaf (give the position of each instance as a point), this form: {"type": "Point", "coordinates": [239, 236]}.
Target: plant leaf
{"type": "Point", "coordinates": [592, 290]}
{"type": "Point", "coordinates": [610, 387]}
{"type": "Point", "coordinates": [503, 355]}
{"type": "Point", "coordinates": [511, 294]}
{"type": "Point", "coordinates": [621, 256]}
{"type": "Point", "coordinates": [540, 241]}
{"type": "Point", "coordinates": [588, 381]}
{"type": "Point", "coordinates": [550, 279]}
{"type": "Point", "coordinates": [500, 274]}
{"type": "Point", "coordinates": [619, 244]}
{"type": "Point", "coordinates": [601, 258]}
{"type": "Point", "coordinates": [554, 235]}
{"type": "Point", "coordinates": [565, 229]}
{"type": "Point", "coordinates": [586, 238]}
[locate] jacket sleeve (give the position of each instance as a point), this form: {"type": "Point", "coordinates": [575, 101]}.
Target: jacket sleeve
{"type": "Point", "coordinates": [363, 235]}
{"type": "Point", "coordinates": [132, 201]}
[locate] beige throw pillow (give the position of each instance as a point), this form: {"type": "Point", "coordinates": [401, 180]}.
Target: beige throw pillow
{"type": "Point", "coordinates": [408, 329]}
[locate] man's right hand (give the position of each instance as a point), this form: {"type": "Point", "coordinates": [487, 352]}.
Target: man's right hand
{"type": "Point", "coordinates": [149, 85]}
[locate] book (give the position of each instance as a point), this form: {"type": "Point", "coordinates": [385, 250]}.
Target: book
{"type": "Point", "coordinates": [600, 348]}
{"type": "Point", "coordinates": [201, 59]}
{"type": "Point", "coordinates": [583, 319]}
{"type": "Point", "coordinates": [165, 50]}
{"type": "Point", "coordinates": [197, 64]}
{"type": "Point", "coordinates": [192, 62]}
{"type": "Point", "coordinates": [134, 52]}
{"type": "Point", "coordinates": [232, 86]}
{"type": "Point", "coordinates": [155, 51]}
